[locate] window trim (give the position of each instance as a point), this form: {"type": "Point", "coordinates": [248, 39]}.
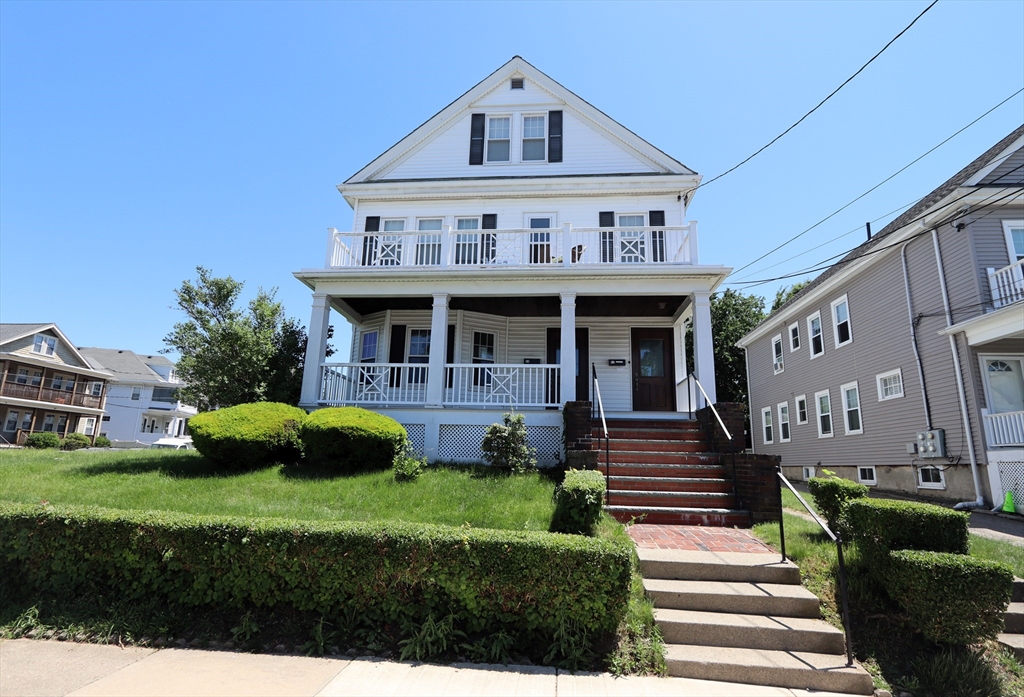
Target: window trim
{"type": "Point", "coordinates": [136, 393]}
{"type": "Point", "coordinates": [811, 469]}
{"type": "Point", "coordinates": [16, 415]}
{"type": "Point", "coordinates": [796, 403]}
{"type": "Point", "coordinates": [867, 482]}
{"type": "Point", "coordinates": [843, 389]}
{"type": "Point", "coordinates": [818, 414]}
{"type": "Point", "coordinates": [778, 357]}
{"type": "Point", "coordinates": [783, 438]}
{"type": "Point", "coordinates": [835, 321]}
{"type": "Point", "coordinates": [362, 344]}
{"type": "Point", "coordinates": [1007, 224]}
{"type": "Point", "coordinates": [408, 344]}
{"type": "Point", "coordinates": [810, 335]}
{"type": "Point", "coordinates": [796, 326]}
{"type": "Point", "coordinates": [767, 427]}
{"type": "Point", "coordinates": [488, 139]}
{"type": "Point", "coordinates": [881, 390]}
{"type": "Point", "coordinates": [522, 135]}
{"type": "Point", "coordinates": [921, 484]}
{"type": "Point", "coordinates": [46, 340]}
{"type": "Point", "coordinates": [987, 390]}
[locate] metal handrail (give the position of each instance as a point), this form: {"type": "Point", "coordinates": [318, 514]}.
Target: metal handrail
{"type": "Point", "coordinates": [607, 441]}
{"type": "Point", "coordinates": [713, 410]}
{"type": "Point", "coordinates": [837, 538]}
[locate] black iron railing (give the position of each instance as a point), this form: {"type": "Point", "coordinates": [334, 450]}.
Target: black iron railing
{"type": "Point", "coordinates": [837, 538]}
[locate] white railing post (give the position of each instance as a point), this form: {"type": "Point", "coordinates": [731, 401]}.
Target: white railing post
{"type": "Point", "coordinates": [332, 245]}
{"type": "Point", "coordinates": [567, 245]}
{"type": "Point", "coordinates": [693, 241]}
{"type": "Point", "coordinates": [316, 350]}
{"type": "Point", "coordinates": [446, 247]}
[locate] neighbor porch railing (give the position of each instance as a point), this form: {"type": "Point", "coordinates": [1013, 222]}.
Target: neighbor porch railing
{"type": "Point", "coordinates": [378, 384]}
{"type": "Point", "coordinates": [504, 385]}
{"type": "Point", "coordinates": [26, 390]}
{"type": "Point", "coordinates": [1004, 429]}
{"type": "Point", "coordinates": [566, 246]}
{"type": "Point", "coordinates": [1007, 284]}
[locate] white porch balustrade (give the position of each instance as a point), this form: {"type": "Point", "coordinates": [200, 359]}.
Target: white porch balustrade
{"type": "Point", "coordinates": [566, 246]}
{"type": "Point", "coordinates": [375, 384]}
{"type": "Point", "coordinates": [1007, 284]}
{"type": "Point", "coordinates": [1004, 429]}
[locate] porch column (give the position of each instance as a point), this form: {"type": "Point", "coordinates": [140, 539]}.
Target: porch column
{"type": "Point", "coordinates": [703, 346]}
{"type": "Point", "coordinates": [435, 366]}
{"type": "Point", "coordinates": [316, 350]}
{"type": "Point", "coordinates": [568, 348]}
{"type": "Point", "coordinates": [682, 387]}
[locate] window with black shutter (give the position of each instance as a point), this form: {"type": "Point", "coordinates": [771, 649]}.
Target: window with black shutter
{"type": "Point", "coordinates": [370, 241]}
{"type": "Point", "coordinates": [657, 219]}
{"type": "Point", "coordinates": [554, 136]}
{"type": "Point", "coordinates": [607, 219]}
{"type": "Point", "coordinates": [488, 242]}
{"type": "Point", "coordinates": [476, 139]}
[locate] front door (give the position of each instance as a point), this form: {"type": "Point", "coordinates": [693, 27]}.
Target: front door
{"type": "Point", "coordinates": [554, 357]}
{"type": "Point", "coordinates": [653, 370]}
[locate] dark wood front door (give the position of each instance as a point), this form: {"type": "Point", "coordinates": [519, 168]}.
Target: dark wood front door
{"type": "Point", "coordinates": [653, 370]}
{"type": "Point", "coordinates": [554, 356]}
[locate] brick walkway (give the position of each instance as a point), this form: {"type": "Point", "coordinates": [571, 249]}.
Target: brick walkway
{"type": "Point", "coordinates": [696, 538]}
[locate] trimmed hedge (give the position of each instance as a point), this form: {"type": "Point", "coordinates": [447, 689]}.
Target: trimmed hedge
{"type": "Point", "coordinates": [249, 435]}
{"type": "Point", "coordinates": [75, 441]}
{"type": "Point", "coordinates": [951, 598]}
{"type": "Point", "coordinates": [534, 586]}
{"type": "Point", "coordinates": [102, 442]}
{"type": "Point", "coordinates": [42, 440]}
{"type": "Point", "coordinates": [353, 439]}
{"type": "Point", "coordinates": [832, 493]}
{"type": "Point", "coordinates": [880, 526]}
{"type": "Point", "coordinates": [578, 502]}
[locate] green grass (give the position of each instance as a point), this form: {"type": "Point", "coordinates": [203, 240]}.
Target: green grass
{"type": "Point", "coordinates": [789, 501]}
{"type": "Point", "coordinates": [184, 481]}
{"type": "Point", "coordinates": [994, 550]}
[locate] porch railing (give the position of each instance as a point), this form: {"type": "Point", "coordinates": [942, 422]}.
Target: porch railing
{"type": "Point", "coordinates": [1007, 284]}
{"type": "Point", "coordinates": [1004, 429]}
{"type": "Point", "coordinates": [27, 390]}
{"type": "Point", "coordinates": [566, 246]}
{"type": "Point", "coordinates": [498, 384]}
{"type": "Point", "coordinates": [379, 384]}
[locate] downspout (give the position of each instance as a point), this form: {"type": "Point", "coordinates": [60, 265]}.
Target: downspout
{"type": "Point", "coordinates": [978, 502]}
{"type": "Point", "coordinates": [913, 338]}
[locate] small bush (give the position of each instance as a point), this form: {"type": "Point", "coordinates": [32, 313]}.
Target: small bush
{"type": "Point", "coordinates": [951, 598]}
{"type": "Point", "coordinates": [352, 439]}
{"type": "Point", "coordinates": [831, 494]}
{"type": "Point", "coordinates": [102, 442]}
{"type": "Point", "coordinates": [408, 466]}
{"type": "Point", "coordinates": [955, 672]}
{"type": "Point", "coordinates": [578, 502]}
{"type": "Point", "coordinates": [75, 441]}
{"type": "Point", "coordinates": [42, 440]}
{"type": "Point", "coordinates": [249, 435]}
{"type": "Point", "coordinates": [505, 446]}
{"type": "Point", "coordinates": [880, 526]}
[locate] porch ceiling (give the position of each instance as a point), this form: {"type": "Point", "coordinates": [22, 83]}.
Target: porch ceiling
{"type": "Point", "coordinates": [533, 306]}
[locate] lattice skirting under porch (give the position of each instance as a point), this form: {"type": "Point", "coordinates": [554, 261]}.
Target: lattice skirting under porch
{"type": "Point", "coordinates": [417, 437]}
{"type": "Point", "coordinates": [1011, 476]}
{"type": "Point", "coordinates": [461, 442]}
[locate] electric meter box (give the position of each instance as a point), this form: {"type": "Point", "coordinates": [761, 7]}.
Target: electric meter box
{"type": "Point", "coordinates": [931, 444]}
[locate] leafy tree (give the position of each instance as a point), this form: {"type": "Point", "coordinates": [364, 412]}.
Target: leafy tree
{"type": "Point", "coordinates": [230, 355]}
{"type": "Point", "coordinates": [733, 314]}
{"type": "Point", "coordinates": [783, 294]}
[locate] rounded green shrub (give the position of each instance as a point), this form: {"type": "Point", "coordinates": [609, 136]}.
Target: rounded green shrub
{"type": "Point", "coordinates": [75, 441]}
{"type": "Point", "coordinates": [102, 442]}
{"type": "Point", "coordinates": [352, 439]}
{"type": "Point", "coordinates": [578, 502]}
{"type": "Point", "coordinates": [506, 447]}
{"type": "Point", "coordinates": [249, 435]}
{"type": "Point", "coordinates": [42, 440]}
{"type": "Point", "coordinates": [831, 494]}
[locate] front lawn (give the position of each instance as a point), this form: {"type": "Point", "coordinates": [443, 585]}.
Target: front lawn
{"type": "Point", "coordinates": [186, 482]}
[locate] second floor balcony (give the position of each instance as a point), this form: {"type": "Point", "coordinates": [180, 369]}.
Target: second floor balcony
{"type": "Point", "coordinates": [566, 246]}
{"type": "Point", "coordinates": [1007, 284]}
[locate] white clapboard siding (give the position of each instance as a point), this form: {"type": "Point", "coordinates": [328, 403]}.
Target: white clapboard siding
{"type": "Point", "coordinates": [504, 95]}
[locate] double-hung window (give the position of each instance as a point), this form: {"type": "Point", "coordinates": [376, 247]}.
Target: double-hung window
{"type": "Point", "coordinates": [368, 347]}
{"type": "Point", "coordinates": [930, 478]}
{"type": "Point", "coordinates": [777, 362]}
{"type": "Point", "coordinates": [766, 425]}
{"type": "Point", "coordinates": [45, 345]}
{"type": "Point", "coordinates": [534, 138]}
{"type": "Point", "coordinates": [136, 394]}
{"type": "Point", "coordinates": [389, 249]}
{"type": "Point", "coordinates": [794, 336]}
{"type": "Point", "coordinates": [90, 426]}
{"type": "Point", "coordinates": [499, 138]}
{"type": "Point", "coordinates": [890, 385]}
{"type": "Point", "coordinates": [428, 241]}
{"type": "Point", "coordinates": [419, 352]}
{"type": "Point", "coordinates": [851, 408]}
{"type": "Point", "coordinates": [801, 409]}
{"type": "Point", "coordinates": [94, 389]}
{"type": "Point", "coordinates": [26, 421]}
{"type": "Point", "coordinates": [467, 241]}
{"type": "Point", "coordinates": [483, 354]}
{"type": "Point", "coordinates": [48, 422]}
{"type": "Point", "coordinates": [867, 475]}
{"type": "Point", "coordinates": [841, 322]}
{"type": "Point", "coordinates": [632, 245]}
{"type": "Point", "coordinates": [784, 435]}
{"type": "Point", "coordinates": [12, 421]}
{"type": "Point", "coordinates": [1014, 230]}
{"type": "Point", "coordinates": [824, 403]}
{"type": "Point", "coordinates": [814, 331]}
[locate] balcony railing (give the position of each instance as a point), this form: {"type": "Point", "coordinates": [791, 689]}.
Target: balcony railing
{"type": "Point", "coordinates": [1004, 429]}
{"type": "Point", "coordinates": [1007, 284]}
{"type": "Point", "coordinates": [46, 394]}
{"type": "Point", "coordinates": [566, 246]}
{"type": "Point", "coordinates": [405, 384]}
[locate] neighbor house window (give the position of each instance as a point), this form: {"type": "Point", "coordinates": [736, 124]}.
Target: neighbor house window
{"type": "Point", "coordinates": [777, 363]}
{"type": "Point", "coordinates": [801, 409]}
{"type": "Point", "coordinates": [368, 348]}
{"type": "Point", "coordinates": [890, 385]}
{"type": "Point", "coordinates": [784, 422]}
{"type": "Point", "coordinates": [62, 423]}
{"type": "Point", "coordinates": [808, 472]}
{"type": "Point", "coordinates": [45, 345]}
{"type": "Point", "coordinates": [1014, 230]}
{"type": "Point", "coordinates": [57, 382]}
{"type": "Point", "coordinates": [851, 408]}
{"type": "Point", "coordinates": [766, 423]}
{"type": "Point", "coordinates": [90, 426]}
{"type": "Point", "coordinates": [841, 321]}
{"type": "Point", "coordinates": [22, 376]}
{"type": "Point", "coordinates": [794, 336]}
{"type": "Point", "coordinates": [26, 421]}
{"type": "Point", "coordinates": [534, 140]}
{"type": "Point", "coordinates": [12, 421]}
{"type": "Point", "coordinates": [498, 138]}
{"type": "Point", "coordinates": [136, 394]}
{"type": "Point", "coordinates": [824, 404]}
{"type": "Point", "coordinates": [930, 478]}
{"type": "Point", "coordinates": [48, 422]}
{"type": "Point", "coordinates": [866, 475]}
{"type": "Point", "coordinates": [95, 389]}
{"type": "Point", "coordinates": [814, 331]}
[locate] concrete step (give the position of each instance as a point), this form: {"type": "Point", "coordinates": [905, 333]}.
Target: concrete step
{"type": "Point", "coordinates": [699, 466]}
{"type": "Point", "coordinates": [1018, 590]}
{"type": "Point", "coordinates": [800, 670]}
{"type": "Point", "coordinates": [778, 599]}
{"type": "Point", "coordinates": [672, 499]}
{"type": "Point", "coordinates": [703, 484]}
{"type": "Point", "coordinates": [658, 515]}
{"type": "Point", "coordinates": [1014, 619]}
{"type": "Point", "coordinates": [1014, 642]}
{"type": "Point", "coordinates": [749, 631]}
{"type": "Point", "coordinates": [716, 566]}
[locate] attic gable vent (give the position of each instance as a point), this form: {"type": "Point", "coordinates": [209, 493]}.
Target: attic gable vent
{"type": "Point", "coordinates": [518, 83]}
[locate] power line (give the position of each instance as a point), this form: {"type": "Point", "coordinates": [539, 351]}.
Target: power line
{"type": "Point", "coordinates": [887, 179]}
{"type": "Point", "coordinates": [846, 82]}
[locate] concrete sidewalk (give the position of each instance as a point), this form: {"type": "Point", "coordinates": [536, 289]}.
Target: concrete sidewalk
{"type": "Point", "coordinates": [35, 668]}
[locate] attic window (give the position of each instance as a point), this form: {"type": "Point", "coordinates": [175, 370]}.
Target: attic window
{"type": "Point", "coordinates": [517, 83]}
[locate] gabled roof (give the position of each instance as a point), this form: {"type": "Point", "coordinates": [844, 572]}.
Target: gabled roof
{"type": "Point", "coordinates": [518, 67]}
{"type": "Point", "coordinates": [994, 155]}
{"type": "Point", "coordinates": [12, 332]}
{"type": "Point", "coordinates": [126, 366]}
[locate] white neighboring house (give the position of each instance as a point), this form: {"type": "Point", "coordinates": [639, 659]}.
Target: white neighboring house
{"type": "Point", "coordinates": [142, 404]}
{"type": "Point", "coordinates": [512, 241]}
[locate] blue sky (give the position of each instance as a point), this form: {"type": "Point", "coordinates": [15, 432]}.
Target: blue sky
{"type": "Point", "coordinates": [139, 140]}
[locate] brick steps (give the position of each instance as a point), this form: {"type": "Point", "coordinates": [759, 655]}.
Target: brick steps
{"type": "Point", "coordinates": [657, 483]}
{"type": "Point", "coordinates": [699, 468]}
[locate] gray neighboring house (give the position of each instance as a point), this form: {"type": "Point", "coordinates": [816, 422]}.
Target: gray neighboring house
{"type": "Point", "coordinates": [901, 366]}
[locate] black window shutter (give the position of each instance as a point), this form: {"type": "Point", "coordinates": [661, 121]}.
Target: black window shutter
{"type": "Point", "coordinates": [489, 221]}
{"type": "Point", "coordinates": [396, 353]}
{"type": "Point", "coordinates": [607, 219]}
{"type": "Point", "coordinates": [656, 218]}
{"type": "Point", "coordinates": [370, 241]}
{"type": "Point", "coordinates": [489, 247]}
{"type": "Point", "coordinates": [372, 223]}
{"type": "Point", "coordinates": [554, 136]}
{"type": "Point", "coordinates": [476, 140]}
{"type": "Point", "coordinates": [449, 352]}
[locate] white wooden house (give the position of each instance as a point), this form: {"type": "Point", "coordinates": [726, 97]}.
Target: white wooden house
{"type": "Point", "coordinates": [516, 238]}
